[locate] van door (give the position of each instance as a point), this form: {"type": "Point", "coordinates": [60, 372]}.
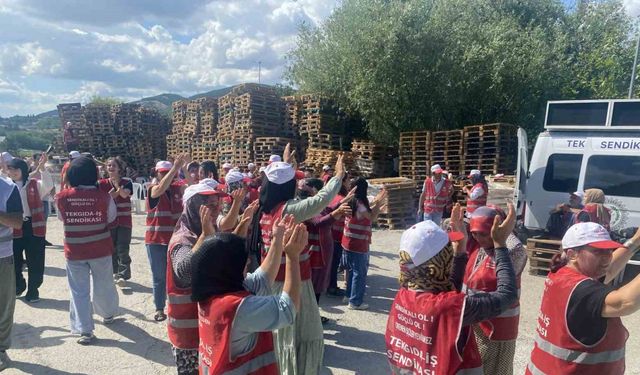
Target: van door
{"type": "Point", "coordinates": [519, 192]}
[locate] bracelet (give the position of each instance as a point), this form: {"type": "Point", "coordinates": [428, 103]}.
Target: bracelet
{"type": "Point", "coordinates": [629, 244]}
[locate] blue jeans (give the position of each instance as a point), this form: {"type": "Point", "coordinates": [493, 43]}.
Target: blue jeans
{"type": "Point", "coordinates": [98, 274]}
{"type": "Point", "coordinates": [157, 255]}
{"type": "Point", "coordinates": [356, 265]}
{"type": "Point", "coordinates": [436, 217]}
{"type": "Point", "coordinates": [335, 263]}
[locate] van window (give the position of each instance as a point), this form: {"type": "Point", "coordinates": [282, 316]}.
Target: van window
{"type": "Point", "coordinates": [562, 173]}
{"type": "Point", "coordinates": [580, 113]}
{"type": "Point", "coordinates": [615, 175]}
{"type": "Point", "coordinates": [626, 114]}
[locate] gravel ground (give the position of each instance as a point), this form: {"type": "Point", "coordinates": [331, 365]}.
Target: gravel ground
{"type": "Point", "coordinates": [137, 345]}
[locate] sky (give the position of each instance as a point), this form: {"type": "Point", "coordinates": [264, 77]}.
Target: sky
{"type": "Point", "coordinates": [70, 50]}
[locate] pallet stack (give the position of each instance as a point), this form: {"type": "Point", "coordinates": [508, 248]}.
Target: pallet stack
{"type": "Point", "coordinates": [264, 147]}
{"type": "Point", "coordinates": [414, 156]}
{"type": "Point", "coordinates": [540, 251]}
{"type": "Point", "coordinates": [399, 209]}
{"type": "Point", "coordinates": [447, 150]}
{"type": "Point", "coordinates": [322, 125]}
{"type": "Point", "coordinates": [195, 124]}
{"type": "Point", "coordinates": [373, 160]}
{"type": "Point", "coordinates": [317, 158]}
{"type": "Point", "coordinates": [491, 148]}
{"type": "Point", "coordinates": [73, 113]}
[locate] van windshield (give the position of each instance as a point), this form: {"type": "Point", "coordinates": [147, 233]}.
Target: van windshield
{"type": "Point", "coordinates": [562, 173]}
{"type": "Point", "coordinates": [615, 175]}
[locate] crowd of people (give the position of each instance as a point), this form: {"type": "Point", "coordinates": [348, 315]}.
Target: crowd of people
{"type": "Point", "coordinates": [239, 263]}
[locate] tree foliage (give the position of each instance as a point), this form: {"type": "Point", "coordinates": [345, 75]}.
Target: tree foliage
{"type": "Point", "coordinates": [442, 64]}
{"type": "Point", "coordinates": [104, 100]}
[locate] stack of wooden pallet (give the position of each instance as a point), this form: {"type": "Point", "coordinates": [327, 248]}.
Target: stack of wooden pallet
{"type": "Point", "coordinates": [322, 125]}
{"type": "Point", "coordinates": [373, 160]}
{"type": "Point", "coordinates": [195, 123]}
{"type": "Point", "coordinates": [399, 207]}
{"type": "Point", "coordinates": [317, 158]}
{"type": "Point", "coordinates": [446, 150]}
{"type": "Point", "coordinates": [264, 147]}
{"type": "Point", "coordinates": [78, 132]}
{"type": "Point", "coordinates": [540, 252]}
{"type": "Point", "coordinates": [414, 156]}
{"type": "Point", "coordinates": [491, 148]}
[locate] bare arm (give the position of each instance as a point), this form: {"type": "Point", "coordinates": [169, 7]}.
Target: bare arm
{"type": "Point", "coordinates": [621, 256]}
{"type": "Point", "coordinates": [624, 301]}
{"type": "Point", "coordinates": [281, 231]}
{"type": "Point", "coordinates": [159, 189]}
{"type": "Point", "coordinates": [293, 248]}
{"type": "Point", "coordinates": [11, 219]}
{"type": "Point", "coordinates": [230, 220]}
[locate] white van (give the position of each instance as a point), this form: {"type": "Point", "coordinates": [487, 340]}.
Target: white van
{"type": "Point", "coordinates": [586, 144]}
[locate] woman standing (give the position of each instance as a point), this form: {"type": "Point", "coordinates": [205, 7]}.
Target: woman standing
{"type": "Point", "coordinates": [337, 228]}
{"type": "Point", "coordinates": [477, 195]}
{"type": "Point", "coordinates": [579, 327]}
{"type": "Point", "coordinates": [30, 238]}
{"type": "Point", "coordinates": [594, 209]}
{"type": "Point", "coordinates": [428, 330]}
{"type": "Point", "coordinates": [120, 189]}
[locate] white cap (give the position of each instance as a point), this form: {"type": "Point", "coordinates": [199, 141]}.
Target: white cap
{"type": "Point", "coordinates": [227, 166]}
{"type": "Point", "coordinates": [209, 182]}
{"type": "Point", "coordinates": [436, 168]}
{"type": "Point", "coordinates": [326, 168]}
{"type": "Point", "coordinates": [74, 154]}
{"type": "Point", "coordinates": [233, 176]}
{"type": "Point", "coordinates": [280, 172]}
{"type": "Point", "coordinates": [592, 234]}
{"type": "Point", "coordinates": [262, 169]}
{"type": "Point", "coordinates": [425, 240]}
{"type": "Point", "coordinates": [579, 194]}
{"type": "Point", "coordinates": [163, 166]}
{"type": "Point", "coordinates": [251, 165]}
{"type": "Point", "coordinates": [6, 157]}
{"type": "Point", "coordinates": [274, 158]}
{"type": "Point", "coordinates": [475, 172]}
{"type": "Point", "coordinates": [200, 188]}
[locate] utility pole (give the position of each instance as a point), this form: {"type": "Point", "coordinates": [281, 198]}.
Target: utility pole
{"type": "Point", "coordinates": [633, 71]}
{"type": "Point", "coordinates": [260, 70]}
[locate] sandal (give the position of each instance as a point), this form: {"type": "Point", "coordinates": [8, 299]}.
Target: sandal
{"type": "Point", "coordinates": [160, 316]}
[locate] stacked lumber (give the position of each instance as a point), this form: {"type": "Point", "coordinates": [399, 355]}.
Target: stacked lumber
{"type": "Point", "coordinates": [321, 124]}
{"type": "Point", "coordinates": [373, 160]}
{"type": "Point", "coordinates": [317, 158]}
{"type": "Point", "coordinates": [128, 130]}
{"type": "Point", "coordinates": [264, 147]}
{"type": "Point", "coordinates": [78, 130]}
{"type": "Point", "coordinates": [399, 207]}
{"type": "Point", "coordinates": [195, 123]}
{"type": "Point", "coordinates": [414, 156]}
{"type": "Point", "coordinates": [540, 252]}
{"type": "Point", "coordinates": [491, 148]}
{"type": "Point", "coordinates": [446, 149]}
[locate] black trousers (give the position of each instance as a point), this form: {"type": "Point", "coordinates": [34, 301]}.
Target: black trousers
{"type": "Point", "coordinates": [121, 260]}
{"type": "Point", "coordinates": [33, 248]}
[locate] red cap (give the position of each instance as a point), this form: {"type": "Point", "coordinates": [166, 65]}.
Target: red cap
{"type": "Point", "coordinates": [299, 175]}
{"type": "Point", "coordinates": [482, 219]}
{"type": "Point", "coordinates": [455, 236]}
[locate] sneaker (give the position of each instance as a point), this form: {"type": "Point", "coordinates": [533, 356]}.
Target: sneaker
{"type": "Point", "coordinates": [86, 339]}
{"type": "Point", "coordinates": [345, 299]}
{"type": "Point", "coordinates": [32, 297]}
{"type": "Point", "coordinates": [21, 286]}
{"type": "Point", "coordinates": [5, 361]}
{"type": "Point", "coordinates": [362, 306]}
{"type": "Point", "coordinates": [121, 282]}
{"type": "Point", "coordinates": [108, 320]}
{"type": "Point", "coordinates": [47, 243]}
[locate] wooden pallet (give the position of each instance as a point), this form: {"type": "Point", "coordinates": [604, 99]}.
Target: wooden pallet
{"type": "Point", "coordinates": [540, 251]}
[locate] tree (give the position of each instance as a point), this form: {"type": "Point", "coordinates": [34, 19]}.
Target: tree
{"type": "Point", "coordinates": [104, 100]}
{"type": "Point", "coordinates": [441, 64]}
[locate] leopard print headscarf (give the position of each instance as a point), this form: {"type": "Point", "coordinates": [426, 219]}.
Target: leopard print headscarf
{"type": "Point", "coordinates": [432, 275]}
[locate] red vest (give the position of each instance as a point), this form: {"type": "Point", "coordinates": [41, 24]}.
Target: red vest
{"type": "Point", "coordinates": [591, 209]}
{"type": "Point", "coordinates": [216, 317]}
{"type": "Point", "coordinates": [483, 279]}
{"type": "Point", "coordinates": [313, 246]}
{"type": "Point", "coordinates": [38, 220]}
{"type": "Point", "coordinates": [472, 204]}
{"type": "Point", "coordinates": [338, 226]}
{"type": "Point", "coordinates": [266, 224]}
{"type": "Point", "coordinates": [555, 351]}
{"type": "Point", "coordinates": [123, 204]}
{"type": "Point", "coordinates": [423, 331]}
{"type": "Point", "coordinates": [436, 202]}
{"type": "Point", "coordinates": [84, 218]}
{"type": "Point", "coordinates": [182, 313]}
{"type": "Point", "coordinates": [161, 220]}
{"type": "Point", "coordinates": [357, 234]}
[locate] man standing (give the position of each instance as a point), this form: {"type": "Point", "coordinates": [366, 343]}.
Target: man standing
{"type": "Point", "coordinates": [10, 219]}
{"type": "Point", "coordinates": [436, 195]}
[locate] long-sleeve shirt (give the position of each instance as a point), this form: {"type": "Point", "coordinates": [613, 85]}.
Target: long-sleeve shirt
{"type": "Point", "coordinates": [258, 313]}
{"type": "Point", "coordinates": [45, 184]}
{"type": "Point", "coordinates": [483, 306]}
{"type": "Point", "coordinates": [305, 209]}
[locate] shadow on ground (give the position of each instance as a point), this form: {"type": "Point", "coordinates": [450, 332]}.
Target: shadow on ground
{"type": "Point", "coordinates": [138, 343]}
{"type": "Point", "coordinates": [367, 361]}
{"type": "Point", "coordinates": [32, 368]}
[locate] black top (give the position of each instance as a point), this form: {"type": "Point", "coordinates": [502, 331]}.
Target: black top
{"type": "Point", "coordinates": [585, 309]}
{"type": "Point", "coordinates": [14, 203]}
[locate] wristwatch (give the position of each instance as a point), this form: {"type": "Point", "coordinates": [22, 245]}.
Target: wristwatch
{"type": "Point", "coordinates": [629, 244]}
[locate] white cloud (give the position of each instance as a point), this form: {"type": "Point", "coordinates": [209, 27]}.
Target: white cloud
{"type": "Point", "coordinates": [633, 7]}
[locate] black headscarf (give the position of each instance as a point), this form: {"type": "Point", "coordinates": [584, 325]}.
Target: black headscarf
{"type": "Point", "coordinates": [22, 165]}
{"type": "Point", "coordinates": [360, 195]}
{"type": "Point", "coordinates": [479, 179]}
{"type": "Point", "coordinates": [217, 267]}
{"type": "Point", "coordinates": [82, 171]}
{"type": "Point", "coordinates": [210, 169]}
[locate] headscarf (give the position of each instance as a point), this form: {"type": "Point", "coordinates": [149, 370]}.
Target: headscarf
{"type": "Point", "coordinates": [596, 197]}
{"type": "Point", "coordinates": [217, 268]}
{"type": "Point", "coordinates": [189, 227]}
{"type": "Point", "coordinates": [479, 179]}
{"type": "Point", "coordinates": [82, 171]}
{"type": "Point", "coordinates": [432, 275]}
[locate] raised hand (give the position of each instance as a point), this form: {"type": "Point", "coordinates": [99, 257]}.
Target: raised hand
{"type": "Point", "coordinates": [42, 161]}
{"type": "Point", "coordinates": [239, 194]}
{"type": "Point", "coordinates": [502, 229]}
{"type": "Point", "coordinates": [340, 166]}
{"type": "Point", "coordinates": [349, 196]}
{"type": "Point", "coordinates": [286, 155]}
{"type": "Point", "coordinates": [207, 220]}
{"type": "Point", "coordinates": [457, 225]}
{"type": "Point", "coordinates": [297, 242]}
